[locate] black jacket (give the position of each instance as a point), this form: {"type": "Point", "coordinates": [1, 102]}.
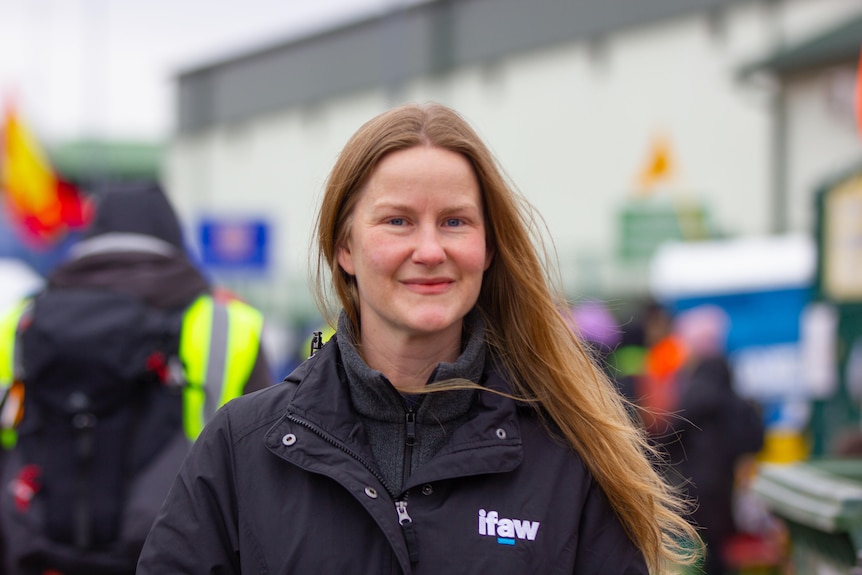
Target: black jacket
{"type": "Point", "coordinates": [283, 481]}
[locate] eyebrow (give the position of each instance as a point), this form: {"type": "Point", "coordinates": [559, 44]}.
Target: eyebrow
{"type": "Point", "coordinates": [394, 205]}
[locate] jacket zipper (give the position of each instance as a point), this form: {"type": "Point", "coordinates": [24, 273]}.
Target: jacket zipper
{"type": "Point", "coordinates": [343, 448]}
{"type": "Point", "coordinates": [409, 442]}
{"type": "Point", "coordinates": [404, 518]}
{"type": "Point", "coordinates": [407, 528]}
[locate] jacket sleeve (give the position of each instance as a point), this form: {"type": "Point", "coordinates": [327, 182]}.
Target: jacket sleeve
{"type": "Point", "coordinates": [196, 529]}
{"type": "Point", "coordinates": [603, 545]}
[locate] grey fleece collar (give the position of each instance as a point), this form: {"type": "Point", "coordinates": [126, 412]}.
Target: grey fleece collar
{"type": "Point", "coordinates": [374, 397]}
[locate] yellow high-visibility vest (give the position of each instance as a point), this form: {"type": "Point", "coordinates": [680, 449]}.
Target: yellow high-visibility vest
{"type": "Point", "coordinates": [11, 371]}
{"type": "Point", "coordinates": [219, 343]}
{"type": "Point", "coordinates": [218, 347]}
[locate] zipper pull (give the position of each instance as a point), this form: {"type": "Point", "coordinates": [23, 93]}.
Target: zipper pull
{"type": "Point", "coordinates": [411, 428]}
{"type": "Point", "coordinates": [409, 532]}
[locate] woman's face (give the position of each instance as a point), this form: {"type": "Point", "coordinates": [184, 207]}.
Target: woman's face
{"type": "Point", "coordinates": [417, 245]}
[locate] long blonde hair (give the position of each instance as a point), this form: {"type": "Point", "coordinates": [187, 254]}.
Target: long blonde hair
{"type": "Point", "coordinates": [544, 360]}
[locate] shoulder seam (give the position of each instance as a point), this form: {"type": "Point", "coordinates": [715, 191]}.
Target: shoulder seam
{"type": "Point", "coordinates": [268, 421]}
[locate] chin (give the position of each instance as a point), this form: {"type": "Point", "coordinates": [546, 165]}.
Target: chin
{"type": "Point", "coordinates": [433, 324]}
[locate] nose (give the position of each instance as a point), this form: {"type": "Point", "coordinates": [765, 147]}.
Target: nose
{"type": "Point", "coordinates": [429, 249]}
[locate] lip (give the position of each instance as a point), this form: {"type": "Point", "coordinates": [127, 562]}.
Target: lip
{"type": "Point", "coordinates": [428, 286]}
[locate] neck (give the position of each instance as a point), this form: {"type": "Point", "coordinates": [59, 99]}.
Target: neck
{"type": "Point", "coordinates": [409, 361]}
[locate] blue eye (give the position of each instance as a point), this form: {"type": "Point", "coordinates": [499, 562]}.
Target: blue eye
{"type": "Point", "coordinates": [397, 221]}
{"type": "Point", "coordinates": [454, 222]}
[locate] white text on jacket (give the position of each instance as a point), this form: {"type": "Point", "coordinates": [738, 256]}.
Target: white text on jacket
{"type": "Point", "coordinates": [506, 530]}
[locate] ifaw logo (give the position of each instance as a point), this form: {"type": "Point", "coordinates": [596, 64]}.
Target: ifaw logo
{"type": "Point", "coordinates": [506, 530]}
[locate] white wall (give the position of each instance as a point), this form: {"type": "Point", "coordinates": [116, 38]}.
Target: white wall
{"type": "Point", "coordinates": [571, 125]}
{"type": "Point", "coordinates": [823, 137]}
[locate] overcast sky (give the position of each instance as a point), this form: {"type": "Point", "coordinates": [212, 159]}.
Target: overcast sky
{"type": "Point", "coordinates": [105, 68]}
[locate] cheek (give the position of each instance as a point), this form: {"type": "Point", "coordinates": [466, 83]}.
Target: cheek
{"type": "Point", "coordinates": [382, 257]}
{"type": "Point", "coordinates": [374, 255]}
{"type": "Point", "coordinates": [478, 258]}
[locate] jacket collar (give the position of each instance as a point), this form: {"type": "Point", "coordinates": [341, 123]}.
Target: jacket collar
{"type": "Point", "coordinates": [374, 397]}
{"type": "Point", "coordinates": [489, 442]}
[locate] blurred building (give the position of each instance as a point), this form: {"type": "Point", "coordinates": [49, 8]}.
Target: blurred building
{"type": "Point", "coordinates": [91, 162]}
{"type": "Point", "coordinates": [625, 122]}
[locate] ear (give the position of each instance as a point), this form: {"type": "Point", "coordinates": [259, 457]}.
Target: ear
{"type": "Point", "coordinates": [489, 257]}
{"type": "Point", "coordinates": [345, 259]}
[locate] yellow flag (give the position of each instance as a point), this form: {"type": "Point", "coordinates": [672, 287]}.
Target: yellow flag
{"type": "Point", "coordinates": [40, 201]}
{"type": "Point", "coordinates": [26, 175]}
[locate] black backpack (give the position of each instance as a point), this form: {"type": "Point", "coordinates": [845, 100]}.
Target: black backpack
{"type": "Point", "coordinates": [100, 438]}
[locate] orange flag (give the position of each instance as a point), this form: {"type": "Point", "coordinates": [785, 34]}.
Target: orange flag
{"type": "Point", "coordinates": [43, 205]}
{"type": "Point", "coordinates": [659, 167]}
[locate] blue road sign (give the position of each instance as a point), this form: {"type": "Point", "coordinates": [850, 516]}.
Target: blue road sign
{"type": "Point", "coordinates": [230, 243]}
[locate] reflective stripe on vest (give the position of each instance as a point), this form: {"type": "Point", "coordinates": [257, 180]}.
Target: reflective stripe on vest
{"type": "Point", "coordinates": [218, 348]}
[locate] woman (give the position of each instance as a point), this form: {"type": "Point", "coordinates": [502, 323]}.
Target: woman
{"type": "Point", "coordinates": [452, 425]}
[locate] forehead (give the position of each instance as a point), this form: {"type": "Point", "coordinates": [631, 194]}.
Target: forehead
{"type": "Point", "coordinates": [423, 168]}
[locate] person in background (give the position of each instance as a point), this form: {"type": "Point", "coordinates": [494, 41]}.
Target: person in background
{"type": "Point", "coordinates": [453, 424]}
{"type": "Point", "coordinates": [657, 388]}
{"type": "Point", "coordinates": [643, 365]}
{"type": "Point", "coordinates": [626, 364]}
{"type": "Point", "coordinates": [714, 432]}
{"type": "Point", "coordinates": [135, 246]}
{"type": "Point", "coordinates": [78, 355]}
{"type": "Point", "coordinates": [595, 324]}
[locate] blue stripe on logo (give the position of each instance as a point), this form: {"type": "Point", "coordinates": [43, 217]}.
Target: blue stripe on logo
{"type": "Point", "coordinates": [505, 541]}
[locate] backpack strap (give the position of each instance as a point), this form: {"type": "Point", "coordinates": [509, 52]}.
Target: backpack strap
{"type": "Point", "coordinates": [218, 348]}
{"type": "Point", "coordinates": [12, 370]}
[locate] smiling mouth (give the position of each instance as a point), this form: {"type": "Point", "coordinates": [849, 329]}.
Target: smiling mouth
{"type": "Point", "coordinates": [433, 286]}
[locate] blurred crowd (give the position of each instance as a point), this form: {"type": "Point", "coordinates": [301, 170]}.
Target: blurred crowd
{"type": "Point", "coordinates": [673, 367]}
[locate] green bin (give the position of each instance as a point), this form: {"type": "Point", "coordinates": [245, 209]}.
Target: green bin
{"type": "Point", "coordinates": [820, 501]}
